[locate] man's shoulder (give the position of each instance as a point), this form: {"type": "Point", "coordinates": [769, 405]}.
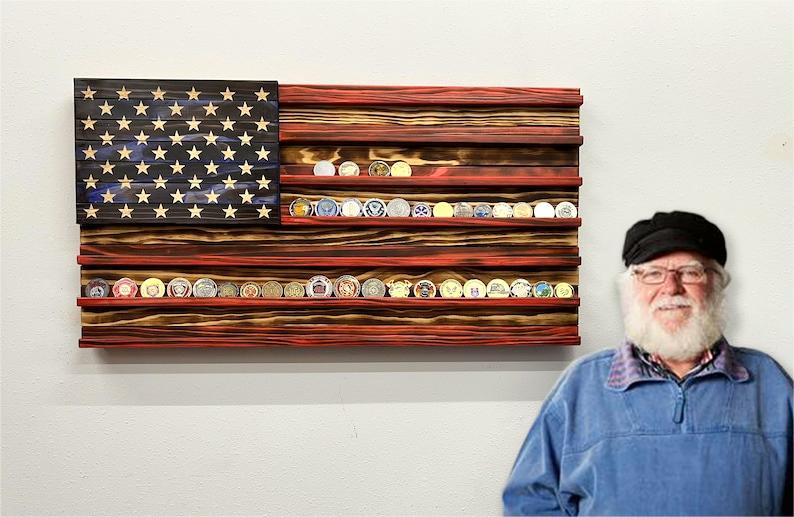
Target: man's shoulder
{"type": "Point", "coordinates": [762, 365]}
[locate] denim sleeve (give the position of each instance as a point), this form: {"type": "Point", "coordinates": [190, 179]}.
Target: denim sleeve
{"type": "Point", "coordinates": [533, 486]}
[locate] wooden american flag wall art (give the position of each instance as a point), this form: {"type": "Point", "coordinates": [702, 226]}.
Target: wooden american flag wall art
{"type": "Point", "coordinates": [194, 179]}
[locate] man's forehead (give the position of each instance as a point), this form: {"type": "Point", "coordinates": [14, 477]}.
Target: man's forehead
{"type": "Point", "coordinates": [676, 258]}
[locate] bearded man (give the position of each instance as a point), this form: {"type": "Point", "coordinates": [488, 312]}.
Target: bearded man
{"type": "Point", "coordinates": [675, 421]}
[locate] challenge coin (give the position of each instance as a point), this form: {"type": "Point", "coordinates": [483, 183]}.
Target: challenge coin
{"type": "Point", "coordinates": [228, 290]}
{"type": "Point", "coordinates": [451, 288]}
{"type": "Point", "coordinates": [463, 209]}
{"type": "Point", "coordinates": [301, 207]}
{"type": "Point", "coordinates": [542, 290]}
{"type": "Point", "coordinates": [349, 168]}
{"type": "Point", "coordinates": [563, 290]}
{"type": "Point", "coordinates": [374, 208]}
{"type": "Point", "coordinates": [205, 288]}
{"type": "Point", "coordinates": [97, 288]}
{"type": "Point", "coordinates": [521, 288]}
{"type": "Point", "coordinates": [522, 209]}
{"type": "Point", "coordinates": [152, 288]}
{"type": "Point", "coordinates": [497, 288]}
{"type": "Point", "coordinates": [566, 209]}
{"type": "Point", "coordinates": [250, 290]}
{"type": "Point", "coordinates": [125, 288]}
{"type": "Point", "coordinates": [398, 207]}
{"type": "Point", "coordinates": [502, 210]}
{"type": "Point", "coordinates": [351, 207]}
{"type": "Point", "coordinates": [373, 288]}
{"type": "Point", "coordinates": [474, 289]}
{"type": "Point", "coordinates": [443, 209]}
{"type": "Point", "coordinates": [422, 210]}
{"type": "Point", "coordinates": [178, 288]}
{"type": "Point", "coordinates": [378, 168]}
{"type": "Point", "coordinates": [319, 286]}
{"type": "Point", "coordinates": [347, 286]}
{"type": "Point", "coordinates": [401, 168]}
{"type": "Point", "coordinates": [425, 289]}
{"type": "Point", "coordinates": [324, 168]}
{"type": "Point", "coordinates": [326, 207]}
{"type": "Point", "coordinates": [294, 290]}
{"type": "Point", "coordinates": [272, 289]}
{"type": "Point", "coordinates": [399, 288]}
{"type": "Point", "coordinates": [482, 210]}
{"type": "Point", "coordinates": [544, 209]}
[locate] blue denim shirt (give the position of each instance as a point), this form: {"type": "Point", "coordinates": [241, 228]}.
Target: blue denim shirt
{"type": "Point", "coordinates": [615, 438]}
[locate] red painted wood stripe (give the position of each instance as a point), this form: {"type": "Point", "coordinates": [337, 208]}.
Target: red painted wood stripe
{"type": "Point", "coordinates": [434, 303]}
{"type": "Point", "coordinates": [444, 172]}
{"type": "Point", "coordinates": [346, 95]}
{"type": "Point", "coordinates": [358, 133]}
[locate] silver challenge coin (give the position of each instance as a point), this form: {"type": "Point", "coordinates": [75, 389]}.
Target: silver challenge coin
{"type": "Point", "coordinates": [566, 210]}
{"type": "Point", "coordinates": [544, 209]}
{"type": "Point", "coordinates": [422, 210]}
{"type": "Point", "coordinates": [97, 288]}
{"type": "Point", "coordinates": [178, 288]}
{"type": "Point", "coordinates": [352, 207]}
{"type": "Point", "coordinates": [346, 286]}
{"type": "Point", "coordinates": [373, 288]}
{"type": "Point", "coordinates": [521, 288]}
{"type": "Point", "coordinates": [319, 286]}
{"type": "Point", "coordinates": [324, 168]}
{"type": "Point", "coordinates": [349, 168]}
{"type": "Point", "coordinates": [463, 209]}
{"type": "Point", "coordinates": [482, 210]}
{"type": "Point", "coordinates": [375, 208]}
{"type": "Point", "coordinates": [326, 207]}
{"type": "Point", "coordinates": [502, 210]}
{"type": "Point", "coordinates": [228, 290]}
{"type": "Point", "coordinates": [205, 288]}
{"type": "Point", "coordinates": [398, 207]}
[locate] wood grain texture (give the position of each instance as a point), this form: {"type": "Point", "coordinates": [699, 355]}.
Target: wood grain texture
{"type": "Point", "coordinates": [448, 174]}
{"type": "Point", "coordinates": [329, 95]}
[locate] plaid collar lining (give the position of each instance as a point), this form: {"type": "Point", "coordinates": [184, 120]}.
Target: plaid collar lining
{"type": "Point", "coordinates": [627, 368]}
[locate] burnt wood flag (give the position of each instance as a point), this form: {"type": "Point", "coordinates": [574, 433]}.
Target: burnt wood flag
{"type": "Point", "coordinates": [176, 151]}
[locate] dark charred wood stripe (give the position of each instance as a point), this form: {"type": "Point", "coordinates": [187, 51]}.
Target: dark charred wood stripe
{"type": "Point", "coordinates": [175, 88]}
{"type": "Point", "coordinates": [443, 173]}
{"type": "Point", "coordinates": [291, 94]}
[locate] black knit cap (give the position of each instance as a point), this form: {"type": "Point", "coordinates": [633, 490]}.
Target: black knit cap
{"type": "Point", "coordinates": [666, 232]}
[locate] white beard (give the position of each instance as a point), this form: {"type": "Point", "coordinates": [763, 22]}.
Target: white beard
{"type": "Point", "coordinates": [697, 334]}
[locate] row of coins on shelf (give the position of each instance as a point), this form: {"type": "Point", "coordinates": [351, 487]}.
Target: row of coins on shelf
{"type": "Point", "coordinates": [349, 168]}
{"type": "Point", "coordinates": [399, 207]}
{"type": "Point", "coordinates": [320, 286]}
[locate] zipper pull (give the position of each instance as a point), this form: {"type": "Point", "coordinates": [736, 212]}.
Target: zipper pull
{"type": "Point", "coordinates": [678, 413]}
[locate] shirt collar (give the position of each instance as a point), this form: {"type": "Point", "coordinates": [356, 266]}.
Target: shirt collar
{"type": "Point", "coordinates": [627, 368]}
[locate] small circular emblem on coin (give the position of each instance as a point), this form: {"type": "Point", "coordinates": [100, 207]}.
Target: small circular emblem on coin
{"type": "Point", "coordinates": [301, 207]}
{"type": "Point", "coordinates": [319, 286]}
{"type": "Point", "coordinates": [373, 288]}
{"type": "Point", "coordinates": [205, 288]}
{"type": "Point", "coordinates": [375, 208]}
{"type": "Point", "coordinates": [272, 289]}
{"type": "Point", "coordinates": [125, 288]}
{"type": "Point", "coordinates": [497, 288]}
{"type": "Point", "coordinates": [326, 207]}
{"type": "Point", "coordinates": [425, 289]}
{"type": "Point", "coordinates": [294, 290]}
{"type": "Point", "coordinates": [422, 210]}
{"type": "Point", "coordinates": [399, 288]}
{"type": "Point", "coordinates": [349, 168]}
{"type": "Point", "coordinates": [250, 290]}
{"type": "Point", "coordinates": [474, 288]}
{"type": "Point", "coordinates": [152, 288]}
{"type": "Point", "coordinates": [346, 286]}
{"type": "Point", "coordinates": [566, 209]}
{"type": "Point", "coordinates": [378, 168]}
{"type": "Point", "coordinates": [542, 290]}
{"type": "Point", "coordinates": [352, 207]}
{"type": "Point", "coordinates": [451, 288]}
{"type": "Point", "coordinates": [229, 290]}
{"type": "Point", "coordinates": [324, 168]}
{"type": "Point", "coordinates": [401, 168]}
{"type": "Point", "coordinates": [97, 288]}
{"type": "Point", "coordinates": [482, 210]}
{"type": "Point", "coordinates": [521, 288]}
{"type": "Point", "coordinates": [502, 210]}
{"type": "Point", "coordinates": [443, 209]}
{"type": "Point", "coordinates": [179, 288]}
{"type": "Point", "coordinates": [563, 290]}
{"type": "Point", "coordinates": [522, 209]}
{"type": "Point", "coordinates": [544, 209]}
{"type": "Point", "coordinates": [463, 209]}
{"type": "Point", "coordinates": [398, 207]}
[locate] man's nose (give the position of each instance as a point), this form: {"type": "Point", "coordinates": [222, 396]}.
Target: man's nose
{"type": "Point", "coordinates": [672, 283]}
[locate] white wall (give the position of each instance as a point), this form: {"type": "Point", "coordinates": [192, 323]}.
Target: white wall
{"type": "Point", "coordinates": [687, 105]}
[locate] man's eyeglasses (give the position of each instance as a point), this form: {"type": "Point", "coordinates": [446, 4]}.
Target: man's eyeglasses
{"type": "Point", "coordinates": [653, 275]}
